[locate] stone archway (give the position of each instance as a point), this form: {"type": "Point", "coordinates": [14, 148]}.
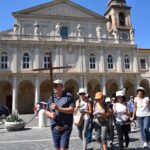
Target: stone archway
{"type": "Point", "coordinates": [26, 97]}
{"type": "Point", "coordinates": [130, 89]}
{"type": "Point", "coordinates": [72, 87]}
{"type": "Point", "coordinates": [6, 94]}
{"type": "Point", "coordinates": [45, 90]}
{"type": "Point", "coordinates": [145, 84]}
{"type": "Point", "coordinates": [111, 88]}
{"type": "Point", "coordinates": [93, 86]}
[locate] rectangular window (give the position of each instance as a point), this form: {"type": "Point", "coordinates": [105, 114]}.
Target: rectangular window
{"type": "Point", "coordinates": [64, 32]}
{"type": "Point", "coordinates": [143, 64]}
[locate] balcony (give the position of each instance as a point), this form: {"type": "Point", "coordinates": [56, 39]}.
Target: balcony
{"type": "Point", "coordinates": [60, 39]}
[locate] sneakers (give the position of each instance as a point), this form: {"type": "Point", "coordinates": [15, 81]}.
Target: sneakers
{"type": "Point", "coordinates": [110, 143]}
{"type": "Point", "coordinates": [145, 145]}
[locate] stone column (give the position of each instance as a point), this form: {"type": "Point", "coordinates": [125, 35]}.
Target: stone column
{"type": "Point", "coordinates": [81, 82]}
{"type": "Point", "coordinates": [104, 85]}
{"type": "Point", "coordinates": [119, 62]}
{"type": "Point", "coordinates": [101, 62]}
{"type": "Point", "coordinates": [121, 82]}
{"type": "Point", "coordinates": [37, 90]}
{"type": "Point", "coordinates": [14, 95]}
{"type": "Point", "coordinates": [135, 63]}
{"type": "Point", "coordinates": [14, 61]}
{"type": "Point", "coordinates": [36, 58]}
{"type": "Point", "coordinates": [83, 59]}
{"type": "Point", "coordinates": [80, 60]}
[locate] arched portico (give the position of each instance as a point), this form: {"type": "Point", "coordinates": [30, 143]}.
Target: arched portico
{"type": "Point", "coordinates": [111, 88]}
{"type": "Point", "coordinates": [93, 86]}
{"type": "Point", "coordinates": [72, 87]}
{"type": "Point", "coordinates": [26, 97]}
{"type": "Point", "coordinates": [130, 89]}
{"type": "Point", "coordinates": [145, 84]}
{"type": "Point", "coordinates": [6, 93]}
{"type": "Point", "coordinates": [45, 90]}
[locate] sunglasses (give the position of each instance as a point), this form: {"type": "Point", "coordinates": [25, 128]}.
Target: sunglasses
{"type": "Point", "coordinates": [81, 93]}
{"type": "Point", "coordinates": [119, 97]}
{"type": "Point", "coordinates": [55, 85]}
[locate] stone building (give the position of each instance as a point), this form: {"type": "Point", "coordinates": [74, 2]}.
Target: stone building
{"type": "Point", "coordinates": [101, 50]}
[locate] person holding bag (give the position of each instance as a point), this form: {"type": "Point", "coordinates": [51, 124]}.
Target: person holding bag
{"type": "Point", "coordinates": [122, 116]}
{"type": "Point", "coordinates": [83, 105]}
{"type": "Point", "coordinates": [101, 114]}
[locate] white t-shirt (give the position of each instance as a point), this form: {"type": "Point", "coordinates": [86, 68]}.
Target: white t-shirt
{"type": "Point", "coordinates": [84, 107]}
{"type": "Point", "coordinates": [121, 111]}
{"type": "Point", "coordinates": [142, 107]}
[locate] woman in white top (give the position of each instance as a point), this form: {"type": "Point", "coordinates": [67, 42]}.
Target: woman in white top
{"type": "Point", "coordinates": [85, 107]}
{"type": "Point", "coordinates": [122, 113]}
{"type": "Point", "coordinates": [142, 111]}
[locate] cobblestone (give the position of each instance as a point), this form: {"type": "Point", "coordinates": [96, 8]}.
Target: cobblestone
{"type": "Point", "coordinates": [34, 138]}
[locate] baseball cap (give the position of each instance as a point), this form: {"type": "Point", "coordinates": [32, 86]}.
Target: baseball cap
{"type": "Point", "coordinates": [58, 81]}
{"type": "Point", "coordinates": [107, 99]}
{"type": "Point", "coordinates": [82, 90]}
{"type": "Point", "coordinates": [120, 93]}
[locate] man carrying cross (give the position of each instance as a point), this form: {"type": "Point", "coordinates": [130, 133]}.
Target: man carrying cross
{"type": "Point", "coordinates": [60, 111]}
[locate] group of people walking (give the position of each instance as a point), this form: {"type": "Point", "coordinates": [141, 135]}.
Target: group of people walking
{"type": "Point", "coordinates": [101, 114]}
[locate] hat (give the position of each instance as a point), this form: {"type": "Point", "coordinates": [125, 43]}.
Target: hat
{"type": "Point", "coordinates": [120, 93]}
{"type": "Point", "coordinates": [99, 95]}
{"type": "Point", "coordinates": [58, 81]}
{"type": "Point", "coordinates": [81, 90]}
{"type": "Point", "coordinates": [107, 99]}
{"type": "Point", "coordinates": [140, 88]}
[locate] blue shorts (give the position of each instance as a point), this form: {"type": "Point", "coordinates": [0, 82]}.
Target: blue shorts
{"type": "Point", "coordinates": [61, 139]}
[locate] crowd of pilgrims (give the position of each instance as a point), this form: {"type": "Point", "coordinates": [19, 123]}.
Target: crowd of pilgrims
{"type": "Point", "coordinates": [103, 114]}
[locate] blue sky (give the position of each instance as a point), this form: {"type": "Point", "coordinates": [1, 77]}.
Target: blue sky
{"type": "Point", "coordinates": [139, 15]}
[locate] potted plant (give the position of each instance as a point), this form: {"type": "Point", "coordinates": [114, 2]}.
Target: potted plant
{"type": "Point", "coordinates": [14, 123]}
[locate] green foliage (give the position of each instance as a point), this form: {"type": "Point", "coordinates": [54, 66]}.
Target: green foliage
{"type": "Point", "coordinates": [13, 118]}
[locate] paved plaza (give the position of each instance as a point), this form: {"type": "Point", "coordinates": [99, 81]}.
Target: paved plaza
{"type": "Point", "coordinates": [34, 138]}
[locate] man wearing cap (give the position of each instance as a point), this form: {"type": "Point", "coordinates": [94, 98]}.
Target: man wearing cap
{"type": "Point", "coordinates": [60, 113]}
{"type": "Point", "coordinates": [142, 111]}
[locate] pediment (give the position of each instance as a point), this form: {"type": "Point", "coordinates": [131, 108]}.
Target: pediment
{"type": "Point", "coordinates": [60, 8]}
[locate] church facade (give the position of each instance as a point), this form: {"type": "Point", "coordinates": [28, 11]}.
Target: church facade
{"type": "Point", "coordinates": [101, 50]}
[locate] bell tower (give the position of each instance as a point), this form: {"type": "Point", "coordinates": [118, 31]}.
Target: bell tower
{"type": "Point", "coordinates": [119, 18]}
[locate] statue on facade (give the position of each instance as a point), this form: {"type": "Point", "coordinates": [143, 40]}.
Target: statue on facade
{"type": "Point", "coordinates": [116, 34]}
{"type": "Point", "coordinates": [36, 28]}
{"type": "Point", "coordinates": [16, 28]}
{"type": "Point", "coordinates": [79, 30]}
{"type": "Point", "coordinates": [57, 29]}
{"type": "Point", "coordinates": [98, 31]}
{"type": "Point", "coordinates": [132, 34]}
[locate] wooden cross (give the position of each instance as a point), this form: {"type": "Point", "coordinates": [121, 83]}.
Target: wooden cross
{"type": "Point", "coordinates": [51, 68]}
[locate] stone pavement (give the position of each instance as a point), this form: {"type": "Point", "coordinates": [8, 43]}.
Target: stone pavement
{"type": "Point", "coordinates": [34, 138]}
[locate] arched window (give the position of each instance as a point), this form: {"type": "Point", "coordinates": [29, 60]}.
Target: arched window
{"type": "Point", "coordinates": [26, 61]}
{"type": "Point", "coordinates": [46, 60]}
{"type": "Point", "coordinates": [4, 60]}
{"type": "Point", "coordinates": [110, 62]}
{"type": "Point", "coordinates": [92, 61]}
{"type": "Point", "coordinates": [122, 19]}
{"type": "Point", "coordinates": [126, 62]}
{"type": "Point", "coordinates": [110, 19]}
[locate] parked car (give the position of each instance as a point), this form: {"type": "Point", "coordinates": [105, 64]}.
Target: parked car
{"type": "Point", "coordinates": [4, 111]}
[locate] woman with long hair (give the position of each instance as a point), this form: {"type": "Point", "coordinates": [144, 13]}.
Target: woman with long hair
{"type": "Point", "coordinates": [122, 115]}
{"type": "Point", "coordinates": [85, 107]}
{"type": "Point", "coordinates": [142, 112]}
